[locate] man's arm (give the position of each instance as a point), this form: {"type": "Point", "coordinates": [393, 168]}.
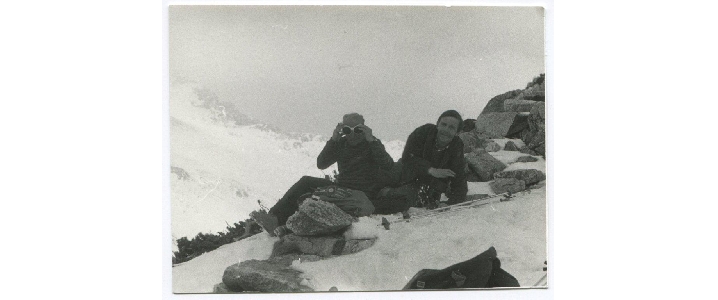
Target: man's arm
{"type": "Point", "coordinates": [329, 155]}
{"type": "Point", "coordinates": [380, 156]}
{"type": "Point", "coordinates": [413, 151]}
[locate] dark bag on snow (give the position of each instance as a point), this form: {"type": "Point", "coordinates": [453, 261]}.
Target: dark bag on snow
{"type": "Point", "coordinates": [482, 271]}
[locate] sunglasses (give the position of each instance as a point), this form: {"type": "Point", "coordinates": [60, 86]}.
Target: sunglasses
{"type": "Point", "coordinates": [348, 130]}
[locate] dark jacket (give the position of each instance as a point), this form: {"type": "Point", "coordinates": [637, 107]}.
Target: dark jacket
{"type": "Point", "coordinates": [359, 166]}
{"type": "Point", "coordinates": [420, 154]}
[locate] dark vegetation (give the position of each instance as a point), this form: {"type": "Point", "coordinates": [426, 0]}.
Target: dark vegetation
{"type": "Point", "coordinates": [205, 242]}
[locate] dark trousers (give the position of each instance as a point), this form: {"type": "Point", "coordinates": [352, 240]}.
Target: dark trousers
{"type": "Point", "coordinates": [394, 200]}
{"type": "Point", "coordinates": [288, 204]}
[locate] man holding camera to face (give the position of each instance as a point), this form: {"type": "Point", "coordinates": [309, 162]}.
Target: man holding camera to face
{"type": "Point", "coordinates": [359, 157]}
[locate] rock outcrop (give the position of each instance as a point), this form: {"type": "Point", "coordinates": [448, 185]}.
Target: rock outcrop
{"type": "Point", "coordinates": [529, 176]}
{"type": "Point", "coordinates": [526, 159]}
{"type": "Point", "coordinates": [263, 276]}
{"type": "Point", "coordinates": [526, 150]}
{"type": "Point", "coordinates": [519, 105]}
{"type": "Point", "coordinates": [324, 246]}
{"type": "Point", "coordinates": [535, 136]}
{"type": "Point", "coordinates": [496, 104]}
{"type": "Point", "coordinates": [501, 124]}
{"type": "Point", "coordinates": [511, 146]}
{"type": "Point", "coordinates": [516, 114]}
{"type": "Point", "coordinates": [318, 218]}
{"type": "Point", "coordinates": [492, 146]}
{"type": "Point", "coordinates": [503, 185]}
{"type": "Point", "coordinates": [471, 141]}
{"type": "Point", "coordinates": [483, 164]}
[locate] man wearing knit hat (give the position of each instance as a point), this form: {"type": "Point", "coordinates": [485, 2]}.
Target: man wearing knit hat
{"type": "Point", "coordinates": [359, 156]}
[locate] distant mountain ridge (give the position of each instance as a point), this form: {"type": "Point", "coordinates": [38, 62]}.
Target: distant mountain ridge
{"type": "Point", "coordinates": [223, 161]}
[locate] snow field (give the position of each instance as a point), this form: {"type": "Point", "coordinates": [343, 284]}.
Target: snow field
{"type": "Point", "coordinates": [515, 228]}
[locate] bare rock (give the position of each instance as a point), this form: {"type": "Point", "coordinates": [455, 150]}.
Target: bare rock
{"type": "Point", "coordinates": [496, 104]}
{"type": "Point", "coordinates": [354, 246]}
{"type": "Point", "coordinates": [318, 218]}
{"type": "Point", "coordinates": [492, 146]}
{"type": "Point", "coordinates": [527, 150]}
{"type": "Point", "coordinates": [502, 124]}
{"type": "Point", "coordinates": [535, 92]}
{"type": "Point", "coordinates": [511, 146]}
{"type": "Point", "coordinates": [503, 185]}
{"type": "Point", "coordinates": [322, 246]}
{"type": "Point", "coordinates": [221, 288]}
{"type": "Point", "coordinates": [472, 177]}
{"type": "Point", "coordinates": [483, 164]}
{"type": "Point", "coordinates": [470, 140]}
{"type": "Point", "coordinates": [526, 159]}
{"type": "Point", "coordinates": [263, 276]}
{"type": "Point", "coordinates": [535, 136]}
{"type": "Point", "coordinates": [181, 173]}
{"type": "Point", "coordinates": [519, 105]}
{"type": "Point", "coordinates": [529, 176]}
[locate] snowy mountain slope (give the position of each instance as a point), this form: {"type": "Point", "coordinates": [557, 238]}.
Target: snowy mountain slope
{"type": "Point", "coordinates": [231, 166]}
{"type": "Point", "coordinates": [221, 166]}
{"type": "Point", "coordinates": [517, 229]}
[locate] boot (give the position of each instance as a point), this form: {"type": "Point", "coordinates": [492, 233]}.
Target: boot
{"type": "Point", "coordinates": [267, 221]}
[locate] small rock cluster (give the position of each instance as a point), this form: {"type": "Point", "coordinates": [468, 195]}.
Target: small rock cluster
{"type": "Point", "coordinates": [518, 114]}
{"type": "Point", "coordinates": [317, 227]}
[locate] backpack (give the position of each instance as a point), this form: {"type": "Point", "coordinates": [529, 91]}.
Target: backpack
{"type": "Point", "coordinates": [482, 271]}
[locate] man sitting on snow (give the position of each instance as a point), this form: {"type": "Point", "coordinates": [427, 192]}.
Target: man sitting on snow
{"type": "Point", "coordinates": [432, 164]}
{"type": "Point", "coordinates": [359, 157]}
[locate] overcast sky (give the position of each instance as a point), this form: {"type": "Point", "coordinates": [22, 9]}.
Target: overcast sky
{"type": "Point", "coordinates": [302, 67]}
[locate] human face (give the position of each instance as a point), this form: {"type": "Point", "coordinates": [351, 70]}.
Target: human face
{"type": "Point", "coordinates": [448, 127]}
{"type": "Point", "coordinates": [356, 135]}
{"type": "Point", "coordinates": [346, 130]}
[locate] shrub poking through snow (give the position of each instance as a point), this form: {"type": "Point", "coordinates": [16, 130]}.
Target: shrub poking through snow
{"type": "Point", "coordinates": [205, 242]}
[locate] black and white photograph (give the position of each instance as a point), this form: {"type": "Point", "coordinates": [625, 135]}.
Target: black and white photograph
{"type": "Point", "coordinates": [392, 149]}
{"type": "Point", "coordinates": [357, 148]}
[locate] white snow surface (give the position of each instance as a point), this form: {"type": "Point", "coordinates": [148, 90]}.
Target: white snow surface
{"type": "Point", "coordinates": [516, 228]}
{"type": "Point", "coordinates": [230, 167]}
